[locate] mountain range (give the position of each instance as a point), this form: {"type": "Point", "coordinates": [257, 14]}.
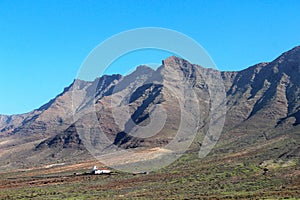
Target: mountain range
{"type": "Point", "coordinates": [262, 113]}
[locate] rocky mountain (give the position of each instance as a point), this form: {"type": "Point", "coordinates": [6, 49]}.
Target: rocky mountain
{"type": "Point", "coordinates": [263, 107]}
{"type": "Point", "coordinates": [268, 90]}
{"type": "Point", "coordinates": [262, 112]}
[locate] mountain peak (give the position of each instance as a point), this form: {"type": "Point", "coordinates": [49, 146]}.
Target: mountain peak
{"type": "Point", "coordinates": [288, 63]}
{"type": "Point", "coordinates": [296, 48]}
{"type": "Point", "coordinates": [174, 60]}
{"type": "Point", "coordinates": [291, 54]}
{"type": "Point", "coordinates": [144, 68]}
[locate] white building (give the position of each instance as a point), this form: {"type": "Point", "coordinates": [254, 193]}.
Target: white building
{"type": "Point", "coordinates": [95, 170]}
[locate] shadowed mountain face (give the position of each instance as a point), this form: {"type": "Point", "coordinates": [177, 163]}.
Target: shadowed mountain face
{"type": "Point", "coordinates": [263, 104]}
{"type": "Point", "coordinates": [263, 109]}
{"type": "Point", "coordinates": [269, 91]}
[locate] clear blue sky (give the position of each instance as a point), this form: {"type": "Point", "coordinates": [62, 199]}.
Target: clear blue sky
{"type": "Point", "coordinates": [44, 42]}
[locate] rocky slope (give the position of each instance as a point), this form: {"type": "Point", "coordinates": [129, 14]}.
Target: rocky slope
{"type": "Point", "coordinates": [263, 108]}
{"type": "Point", "coordinates": [262, 102]}
{"type": "Point", "coordinates": [269, 90]}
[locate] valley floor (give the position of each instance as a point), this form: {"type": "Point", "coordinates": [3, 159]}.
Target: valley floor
{"type": "Point", "coordinates": [187, 178]}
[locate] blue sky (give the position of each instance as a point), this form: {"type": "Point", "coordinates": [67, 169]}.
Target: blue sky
{"type": "Point", "coordinates": [44, 42]}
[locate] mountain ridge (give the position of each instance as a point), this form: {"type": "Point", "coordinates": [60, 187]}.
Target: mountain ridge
{"type": "Point", "coordinates": [264, 98]}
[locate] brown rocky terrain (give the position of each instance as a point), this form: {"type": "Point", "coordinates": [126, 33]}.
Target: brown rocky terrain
{"type": "Point", "coordinates": [262, 102]}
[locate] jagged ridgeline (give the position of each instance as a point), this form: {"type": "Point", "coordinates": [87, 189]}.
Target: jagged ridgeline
{"type": "Point", "coordinates": [263, 112]}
